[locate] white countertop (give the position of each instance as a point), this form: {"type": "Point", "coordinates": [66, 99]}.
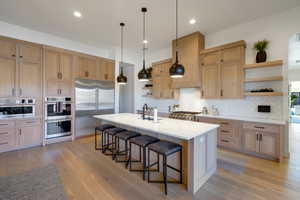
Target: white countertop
{"type": "Point", "coordinates": [181, 129]}
{"type": "Point", "coordinates": [246, 119]}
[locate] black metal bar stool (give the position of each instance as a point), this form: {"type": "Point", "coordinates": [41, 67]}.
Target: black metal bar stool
{"type": "Point", "coordinates": [110, 146]}
{"type": "Point", "coordinates": [125, 136]}
{"type": "Point", "coordinates": [142, 142]}
{"type": "Point", "coordinates": [165, 148]}
{"type": "Point", "coordinates": [101, 129]}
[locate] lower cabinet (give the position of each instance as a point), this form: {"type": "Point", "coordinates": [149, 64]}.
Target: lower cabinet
{"type": "Point", "coordinates": [20, 134]}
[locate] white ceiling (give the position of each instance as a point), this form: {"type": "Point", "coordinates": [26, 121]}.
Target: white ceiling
{"type": "Point", "coordinates": [99, 25]}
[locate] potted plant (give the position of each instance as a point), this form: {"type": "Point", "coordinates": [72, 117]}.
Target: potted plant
{"type": "Point", "coordinates": [260, 47]}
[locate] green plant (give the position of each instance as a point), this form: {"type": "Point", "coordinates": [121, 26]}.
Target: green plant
{"type": "Point", "coordinates": [293, 99]}
{"type": "Point", "coordinates": [261, 45]}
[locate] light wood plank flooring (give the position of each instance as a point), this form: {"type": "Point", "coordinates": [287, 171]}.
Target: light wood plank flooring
{"type": "Point", "coordinates": [88, 174]}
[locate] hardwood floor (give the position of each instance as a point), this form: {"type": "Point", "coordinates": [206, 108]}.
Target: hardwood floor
{"type": "Point", "coordinates": [88, 174]}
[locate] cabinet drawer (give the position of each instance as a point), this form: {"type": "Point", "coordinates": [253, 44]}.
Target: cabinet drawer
{"type": "Point", "coordinates": [227, 131]}
{"type": "Point", "coordinates": [262, 127]}
{"type": "Point", "coordinates": [227, 141]}
{"type": "Point", "coordinates": [226, 124]}
{"type": "Point", "coordinates": [7, 124]}
{"type": "Point", "coordinates": [7, 139]}
{"type": "Point", "coordinates": [28, 122]}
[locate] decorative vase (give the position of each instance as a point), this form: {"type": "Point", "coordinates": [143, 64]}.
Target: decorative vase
{"type": "Point", "coordinates": [261, 56]}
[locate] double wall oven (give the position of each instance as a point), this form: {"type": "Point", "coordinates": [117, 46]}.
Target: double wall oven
{"type": "Point", "coordinates": [58, 117]}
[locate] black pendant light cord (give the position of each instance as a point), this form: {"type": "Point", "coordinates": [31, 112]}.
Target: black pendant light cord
{"type": "Point", "coordinates": [176, 42]}
{"type": "Point", "coordinates": [144, 10]}
{"type": "Point", "coordinates": [122, 32]}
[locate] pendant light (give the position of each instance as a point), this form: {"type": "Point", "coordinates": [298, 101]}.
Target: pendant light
{"type": "Point", "coordinates": [176, 70]}
{"type": "Point", "coordinates": [144, 74]}
{"type": "Point", "coordinates": [122, 79]}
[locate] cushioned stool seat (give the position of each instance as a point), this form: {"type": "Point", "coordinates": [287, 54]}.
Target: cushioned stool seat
{"type": "Point", "coordinates": [165, 147]}
{"type": "Point", "coordinates": [114, 131]}
{"type": "Point", "coordinates": [144, 140]}
{"type": "Point", "coordinates": [104, 127]}
{"type": "Point", "coordinates": [126, 135]}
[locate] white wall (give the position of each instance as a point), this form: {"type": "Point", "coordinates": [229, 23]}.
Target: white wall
{"type": "Point", "coordinates": [277, 29]}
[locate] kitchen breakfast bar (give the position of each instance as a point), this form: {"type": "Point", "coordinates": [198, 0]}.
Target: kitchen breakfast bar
{"type": "Point", "coordinates": [198, 141]}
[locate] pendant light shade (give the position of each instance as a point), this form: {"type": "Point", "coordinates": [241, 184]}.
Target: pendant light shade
{"type": "Point", "coordinates": [144, 75]}
{"type": "Point", "coordinates": [176, 70]}
{"type": "Point", "coordinates": [122, 79]}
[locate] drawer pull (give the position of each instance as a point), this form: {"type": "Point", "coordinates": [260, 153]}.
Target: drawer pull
{"type": "Point", "coordinates": [4, 133]}
{"type": "Point", "coordinates": [223, 131]}
{"type": "Point", "coordinates": [260, 127]}
{"type": "Point", "coordinates": [224, 123]}
{"type": "Point", "coordinates": [3, 124]}
{"type": "Point", "coordinates": [3, 143]}
{"type": "Point", "coordinates": [30, 122]}
{"type": "Point", "coordinates": [225, 141]}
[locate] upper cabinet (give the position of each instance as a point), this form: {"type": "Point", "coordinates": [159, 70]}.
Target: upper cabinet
{"type": "Point", "coordinates": [58, 73]}
{"type": "Point", "coordinates": [162, 82]}
{"type": "Point", "coordinates": [21, 67]}
{"type": "Point", "coordinates": [106, 69]}
{"type": "Point", "coordinates": [188, 48]}
{"type": "Point", "coordinates": [222, 71]}
{"type": "Point", "coordinates": [86, 67]}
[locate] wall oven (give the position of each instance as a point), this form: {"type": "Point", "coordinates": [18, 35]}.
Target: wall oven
{"type": "Point", "coordinates": [58, 128]}
{"type": "Point", "coordinates": [58, 117]}
{"type": "Point", "coordinates": [16, 108]}
{"type": "Point", "coordinates": [58, 107]}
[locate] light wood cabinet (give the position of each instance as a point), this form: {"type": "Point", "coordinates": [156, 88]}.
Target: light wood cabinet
{"type": "Point", "coordinates": [21, 69]}
{"type": "Point", "coordinates": [188, 48]}
{"type": "Point", "coordinates": [30, 136]}
{"type": "Point", "coordinates": [7, 77]}
{"type": "Point", "coordinates": [86, 68]}
{"type": "Point", "coordinates": [7, 139]}
{"type": "Point", "coordinates": [268, 144]}
{"type": "Point", "coordinates": [106, 70]}
{"type": "Point", "coordinates": [58, 73]}
{"type": "Point", "coordinates": [251, 143]}
{"type": "Point", "coordinates": [222, 72]}
{"type": "Point", "coordinates": [162, 83]}
{"type": "Point", "coordinates": [30, 81]}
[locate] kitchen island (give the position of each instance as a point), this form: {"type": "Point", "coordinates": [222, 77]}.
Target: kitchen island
{"type": "Point", "coordinates": [199, 142]}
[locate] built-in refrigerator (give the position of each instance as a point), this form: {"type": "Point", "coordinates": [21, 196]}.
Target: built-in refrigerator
{"type": "Point", "coordinates": [92, 98]}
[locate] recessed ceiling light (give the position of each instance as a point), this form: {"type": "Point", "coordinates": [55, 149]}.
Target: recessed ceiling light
{"type": "Point", "coordinates": [77, 14]}
{"type": "Point", "coordinates": [192, 21]}
{"type": "Point", "coordinates": [145, 41]}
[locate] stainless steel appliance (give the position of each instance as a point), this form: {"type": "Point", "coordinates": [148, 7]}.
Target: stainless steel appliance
{"type": "Point", "coordinates": [58, 128]}
{"type": "Point", "coordinates": [58, 108]}
{"type": "Point", "coordinates": [184, 115]}
{"type": "Point", "coordinates": [58, 117]}
{"type": "Point", "coordinates": [92, 98]}
{"type": "Point", "coordinates": [16, 108]}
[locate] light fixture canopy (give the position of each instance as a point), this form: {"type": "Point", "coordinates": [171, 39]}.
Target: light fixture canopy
{"type": "Point", "coordinates": [144, 75]}
{"type": "Point", "coordinates": [176, 70]}
{"type": "Point", "coordinates": [122, 79]}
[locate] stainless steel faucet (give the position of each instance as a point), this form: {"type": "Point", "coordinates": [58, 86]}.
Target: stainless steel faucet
{"type": "Point", "coordinates": [145, 109]}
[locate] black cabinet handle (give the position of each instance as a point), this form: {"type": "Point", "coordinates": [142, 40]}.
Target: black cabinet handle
{"type": "Point", "coordinates": [225, 141]}
{"type": "Point", "coordinates": [13, 55]}
{"type": "Point", "coordinates": [260, 127]}
{"type": "Point", "coordinates": [223, 131]}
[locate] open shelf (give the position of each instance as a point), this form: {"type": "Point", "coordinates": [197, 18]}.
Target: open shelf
{"type": "Point", "coordinates": [272, 78]}
{"type": "Point", "coordinates": [264, 64]}
{"type": "Point", "coordinates": [263, 94]}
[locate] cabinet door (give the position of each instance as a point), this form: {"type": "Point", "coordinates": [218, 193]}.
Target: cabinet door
{"type": "Point", "coordinates": [156, 89]}
{"type": "Point", "coordinates": [7, 139]}
{"type": "Point", "coordinates": [210, 75]}
{"type": "Point", "coordinates": [86, 68]}
{"type": "Point", "coordinates": [29, 53]}
{"type": "Point", "coordinates": [65, 88]}
{"type": "Point", "coordinates": [66, 66]}
{"type": "Point", "coordinates": [231, 72]}
{"type": "Point", "coordinates": [52, 62]}
{"type": "Point", "coordinates": [110, 71]}
{"type": "Point", "coordinates": [7, 77]}
{"type": "Point", "coordinates": [268, 144]}
{"type": "Point", "coordinates": [52, 88]}
{"type": "Point", "coordinates": [8, 49]}
{"type": "Point", "coordinates": [251, 143]}
{"type": "Point", "coordinates": [30, 79]}
{"type": "Point", "coordinates": [30, 136]}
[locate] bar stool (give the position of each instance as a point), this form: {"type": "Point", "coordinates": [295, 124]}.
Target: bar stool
{"type": "Point", "coordinates": [142, 142]}
{"type": "Point", "coordinates": [111, 146]}
{"type": "Point", "coordinates": [101, 129]}
{"type": "Point", "coordinates": [125, 136]}
{"type": "Point", "coordinates": [165, 148]}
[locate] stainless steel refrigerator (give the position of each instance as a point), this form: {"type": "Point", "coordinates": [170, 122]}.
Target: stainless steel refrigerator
{"type": "Point", "coordinates": [92, 98]}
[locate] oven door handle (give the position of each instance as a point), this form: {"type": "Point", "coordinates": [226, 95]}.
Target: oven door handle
{"type": "Point", "coordinates": [58, 120]}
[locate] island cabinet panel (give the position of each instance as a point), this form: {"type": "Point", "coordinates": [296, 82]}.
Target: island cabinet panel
{"type": "Point", "coordinates": [162, 82]}
{"type": "Point", "coordinates": [7, 77]}
{"type": "Point", "coordinates": [188, 48]}
{"type": "Point", "coordinates": [105, 69]}
{"type": "Point", "coordinates": [222, 71]}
